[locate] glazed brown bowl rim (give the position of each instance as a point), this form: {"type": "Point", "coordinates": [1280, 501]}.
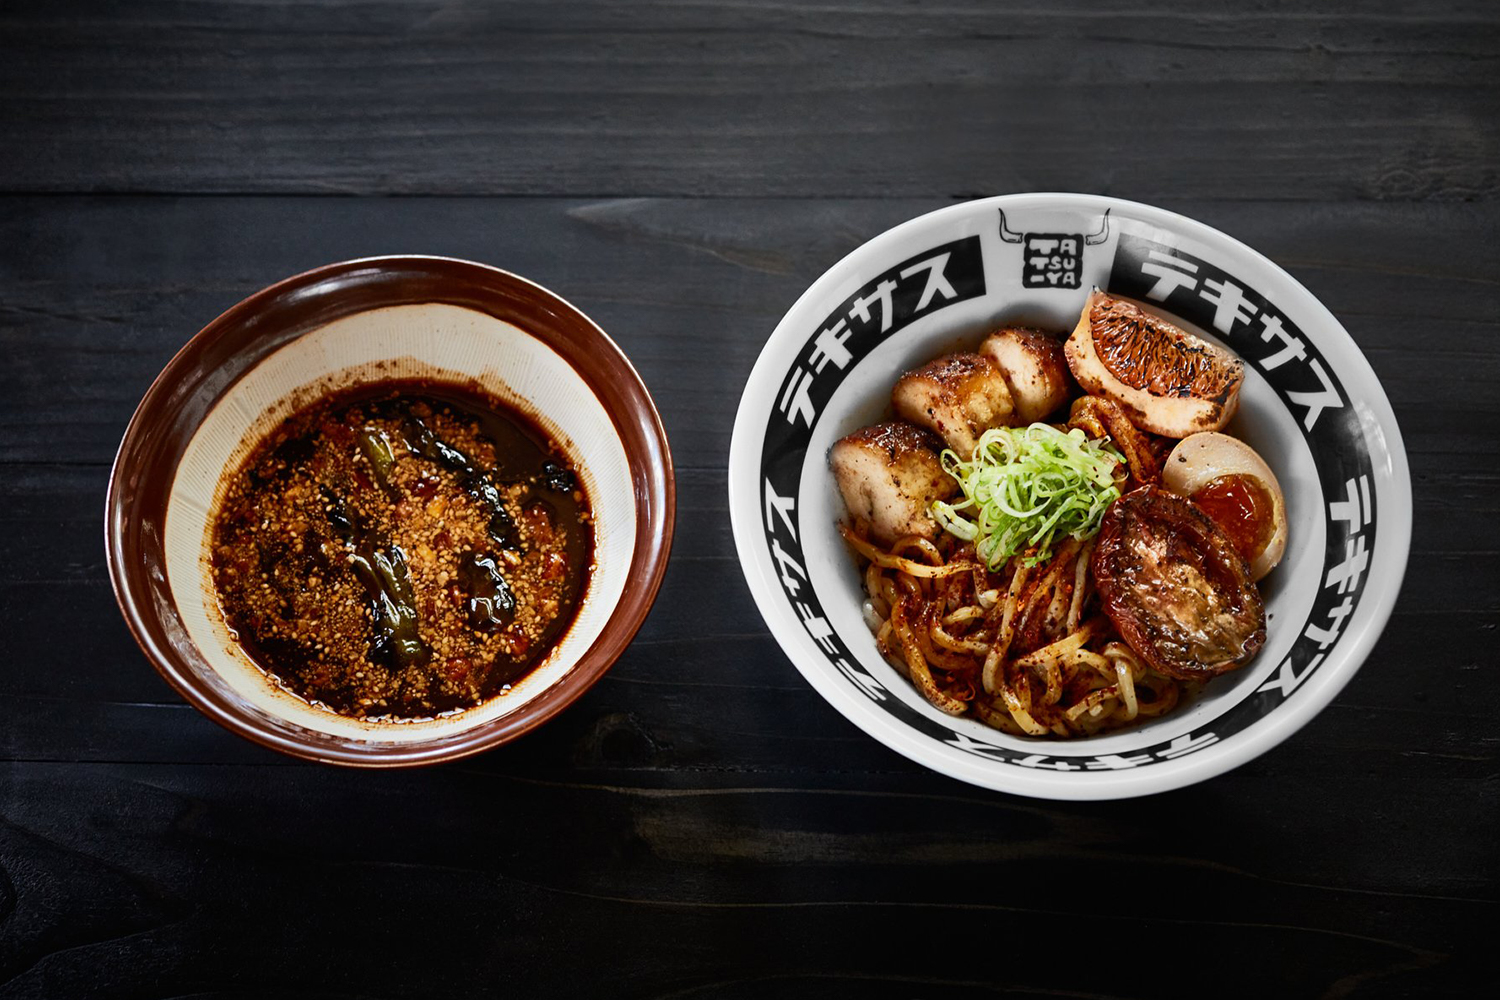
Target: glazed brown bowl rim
{"type": "Point", "coordinates": [250, 331]}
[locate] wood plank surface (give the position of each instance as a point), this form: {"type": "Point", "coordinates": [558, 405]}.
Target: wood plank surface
{"type": "Point", "coordinates": [701, 824]}
{"type": "Point", "coordinates": [1342, 100]}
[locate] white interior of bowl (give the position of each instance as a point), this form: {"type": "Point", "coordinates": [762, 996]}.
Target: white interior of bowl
{"type": "Point", "coordinates": [1263, 422]}
{"type": "Point", "coordinates": [436, 341]}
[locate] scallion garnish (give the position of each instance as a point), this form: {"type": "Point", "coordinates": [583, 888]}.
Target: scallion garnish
{"type": "Point", "coordinates": [1027, 487]}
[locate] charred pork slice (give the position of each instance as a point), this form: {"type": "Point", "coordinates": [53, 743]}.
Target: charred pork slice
{"type": "Point", "coordinates": [1035, 370]}
{"type": "Point", "coordinates": [889, 475]}
{"type": "Point", "coordinates": [959, 396]}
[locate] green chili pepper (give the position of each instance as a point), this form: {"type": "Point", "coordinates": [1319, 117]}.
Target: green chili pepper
{"type": "Point", "coordinates": [480, 485]}
{"type": "Point", "coordinates": [420, 440]}
{"type": "Point", "coordinates": [491, 603]}
{"type": "Point", "coordinates": [377, 448]}
{"type": "Point", "coordinates": [502, 528]}
{"type": "Point", "coordinates": [387, 581]}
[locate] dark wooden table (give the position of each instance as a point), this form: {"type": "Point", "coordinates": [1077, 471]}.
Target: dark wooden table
{"type": "Point", "coordinates": [702, 824]}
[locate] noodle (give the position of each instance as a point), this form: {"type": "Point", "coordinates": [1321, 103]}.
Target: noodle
{"type": "Point", "coordinates": [970, 646]}
{"type": "Point", "coordinates": [1126, 687]}
{"type": "Point", "coordinates": [1100, 418]}
{"type": "Point", "coordinates": [917, 666]}
{"type": "Point", "coordinates": [1024, 651]}
{"type": "Point", "coordinates": [1080, 585]}
{"type": "Point", "coordinates": [1054, 652]}
{"type": "Point", "coordinates": [963, 615]}
{"type": "Point", "coordinates": [908, 567]}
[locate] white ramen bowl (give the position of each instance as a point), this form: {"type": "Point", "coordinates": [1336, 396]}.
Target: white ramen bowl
{"type": "Point", "coordinates": [1311, 406]}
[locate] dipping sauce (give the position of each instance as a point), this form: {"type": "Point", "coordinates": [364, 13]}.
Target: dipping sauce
{"type": "Point", "coordinates": [401, 550]}
{"type": "Point", "coordinates": [1243, 507]}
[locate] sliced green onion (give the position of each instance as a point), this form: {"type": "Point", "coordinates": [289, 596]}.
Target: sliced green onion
{"type": "Point", "coordinates": [1027, 488]}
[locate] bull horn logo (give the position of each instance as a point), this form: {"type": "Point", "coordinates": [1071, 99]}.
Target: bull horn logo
{"type": "Point", "coordinates": [1006, 234]}
{"type": "Point", "coordinates": [1093, 239]}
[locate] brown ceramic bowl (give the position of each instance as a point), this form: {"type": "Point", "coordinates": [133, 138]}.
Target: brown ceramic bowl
{"type": "Point", "coordinates": [341, 325]}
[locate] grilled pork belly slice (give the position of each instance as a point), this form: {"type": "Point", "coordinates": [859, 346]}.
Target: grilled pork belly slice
{"type": "Point", "coordinates": [1168, 381]}
{"type": "Point", "coordinates": [889, 475]}
{"type": "Point", "coordinates": [960, 396]}
{"type": "Point", "coordinates": [1034, 368]}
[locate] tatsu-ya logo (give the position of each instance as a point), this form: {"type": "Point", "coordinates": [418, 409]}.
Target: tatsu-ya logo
{"type": "Point", "coordinates": [1053, 260]}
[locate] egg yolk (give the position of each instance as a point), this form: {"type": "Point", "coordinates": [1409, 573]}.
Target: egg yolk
{"type": "Point", "coordinates": [1243, 507]}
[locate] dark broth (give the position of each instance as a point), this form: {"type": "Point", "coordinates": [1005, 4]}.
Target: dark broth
{"type": "Point", "coordinates": [401, 550]}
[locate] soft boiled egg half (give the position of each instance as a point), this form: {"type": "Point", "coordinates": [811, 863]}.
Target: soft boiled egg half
{"type": "Point", "coordinates": [1237, 489]}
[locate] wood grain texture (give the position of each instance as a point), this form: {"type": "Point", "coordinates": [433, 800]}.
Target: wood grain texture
{"type": "Point", "coordinates": [702, 824]}
{"type": "Point", "coordinates": [701, 817]}
{"type": "Point", "coordinates": [1348, 100]}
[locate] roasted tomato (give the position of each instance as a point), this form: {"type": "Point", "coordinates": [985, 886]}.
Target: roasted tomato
{"type": "Point", "coordinates": [1173, 584]}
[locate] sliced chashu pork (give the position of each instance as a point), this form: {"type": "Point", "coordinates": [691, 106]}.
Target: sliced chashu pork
{"type": "Point", "coordinates": [1034, 368]}
{"type": "Point", "coordinates": [889, 474]}
{"type": "Point", "coordinates": [959, 396]}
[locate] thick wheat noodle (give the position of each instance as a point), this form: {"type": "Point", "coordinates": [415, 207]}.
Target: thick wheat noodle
{"type": "Point", "coordinates": [887, 561]}
{"type": "Point", "coordinates": [922, 678]}
{"type": "Point", "coordinates": [1018, 682]}
{"type": "Point", "coordinates": [1093, 700]}
{"type": "Point", "coordinates": [1005, 606]}
{"type": "Point", "coordinates": [1117, 651]}
{"type": "Point", "coordinates": [952, 588]}
{"type": "Point", "coordinates": [921, 625]}
{"type": "Point", "coordinates": [890, 592]}
{"type": "Point", "coordinates": [1057, 611]}
{"type": "Point", "coordinates": [980, 579]}
{"type": "Point", "coordinates": [1080, 584]}
{"type": "Point", "coordinates": [1125, 684]}
{"type": "Point", "coordinates": [1088, 658]}
{"type": "Point", "coordinates": [879, 589]}
{"type": "Point", "coordinates": [942, 625]}
{"type": "Point", "coordinates": [1044, 587]}
{"type": "Point", "coordinates": [920, 675]}
{"type": "Point", "coordinates": [998, 718]}
{"type": "Point", "coordinates": [1053, 674]}
{"type": "Point", "coordinates": [992, 678]}
{"type": "Point", "coordinates": [883, 642]}
{"type": "Point", "coordinates": [1020, 711]}
{"type": "Point", "coordinates": [875, 584]}
{"type": "Point", "coordinates": [932, 651]}
{"type": "Point", "coordinates": [973, 647]}
{"type": "Point", "coordinates": [965, 614]}
{"type": "Point", "coordinates": [1120, 665]}
{"type": "Point", "coordinates": [922, 545]}
{"type": "Point", "coordinates": [1165, 692]}
{"type": "Point", "coordinates": [1055, 651]}
{"type": "Point", "coordinates": [990, 674]}
{"type": "Point", "coordinates": [1100, 665]}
